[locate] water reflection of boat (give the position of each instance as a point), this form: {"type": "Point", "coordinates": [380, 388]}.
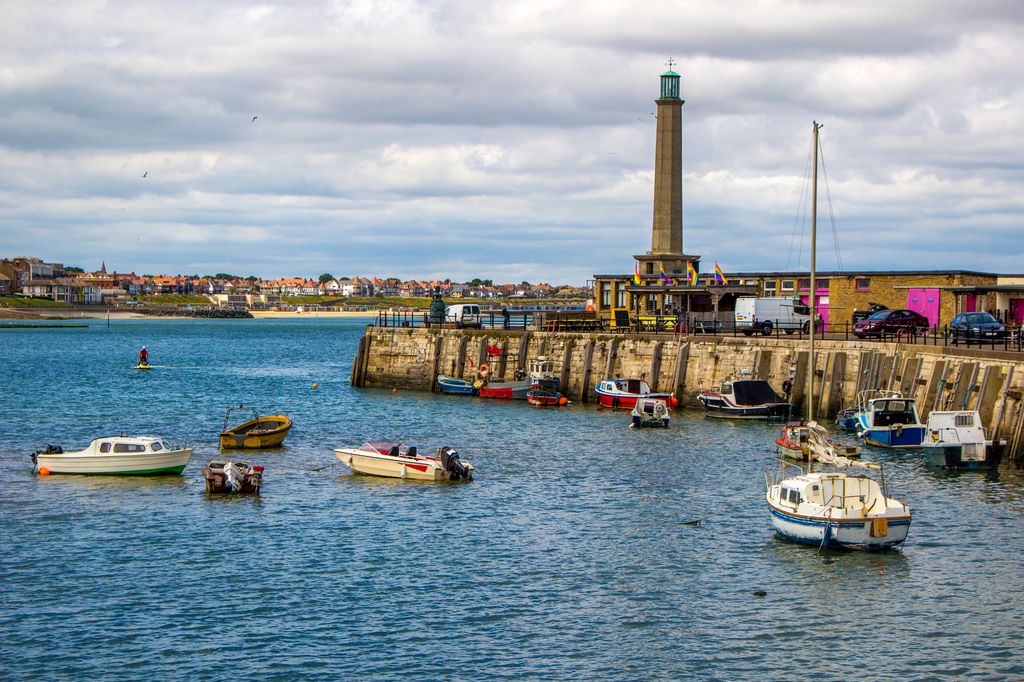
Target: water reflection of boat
{"type": "Point", "coordinates": [259, 432]}
{"type": "Point", "coordinates": [115, 455]}
{"type": "Point", "coordinates": [395, 460]}
{"type": "Point", "coordinates": [958, 440]}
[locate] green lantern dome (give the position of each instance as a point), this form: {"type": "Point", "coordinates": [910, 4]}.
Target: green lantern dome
{"type": "Point", "coordinates": [670, 82]}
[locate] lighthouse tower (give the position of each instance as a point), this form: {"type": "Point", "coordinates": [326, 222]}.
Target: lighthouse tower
{"type": "Point", "coordinates": [667, 231]}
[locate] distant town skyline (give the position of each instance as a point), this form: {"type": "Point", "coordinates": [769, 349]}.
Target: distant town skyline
{"type": "Point", "coordinates": [505, 140]}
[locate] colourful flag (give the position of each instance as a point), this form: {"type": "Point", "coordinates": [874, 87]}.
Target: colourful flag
{"type": "Point", "coordinates": [691, 273]}
{"type": "Point", "coordinates": [636, 274]}
{"type": "Point", "coordinates": [664, 277]}
{"type": "Point", "coordinates": [720, 276]}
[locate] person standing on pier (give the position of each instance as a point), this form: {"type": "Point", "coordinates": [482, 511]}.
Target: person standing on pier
{"type": "Point", "coordinates": [505, 317]}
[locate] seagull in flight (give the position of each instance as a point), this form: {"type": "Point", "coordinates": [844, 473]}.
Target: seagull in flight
{"type": "Point", "coordinates": [145, 174]}
{"type": "Point", "coordinates": [254, 119]}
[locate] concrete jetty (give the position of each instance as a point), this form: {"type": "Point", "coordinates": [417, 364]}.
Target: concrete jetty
{"type": "Point", "coordinates": [939, 378]}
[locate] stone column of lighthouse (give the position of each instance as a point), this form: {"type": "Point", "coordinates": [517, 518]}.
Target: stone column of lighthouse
{"type": "Point", "coordinates": [667, 234]}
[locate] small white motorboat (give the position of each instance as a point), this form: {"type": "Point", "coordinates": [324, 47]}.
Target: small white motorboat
{"type": "Point", "coordinates": [395, 460]}
{"type": "Point", "coordinates": [958, 440]}
{"type": "Point", "coordinates": [650, 412]}
{"type": "Point", "coordinates": [115, 455]}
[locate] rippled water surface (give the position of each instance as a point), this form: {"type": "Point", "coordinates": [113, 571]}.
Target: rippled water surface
{"type": "Point", "coordinates": [569, 557]}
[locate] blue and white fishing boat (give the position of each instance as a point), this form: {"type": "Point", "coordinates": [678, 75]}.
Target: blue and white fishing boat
{"type": "Point", "coordinates": [848, 419]}
{"type": "Point", "coordinates": [455, 385]}
{"type": "Point", "coordinates": [890, 422]}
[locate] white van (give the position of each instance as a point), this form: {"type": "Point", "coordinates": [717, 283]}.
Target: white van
{"type": "Point", "coordinates": [463, 315]}
{"type": "Point", "coordinates": [764, 315]}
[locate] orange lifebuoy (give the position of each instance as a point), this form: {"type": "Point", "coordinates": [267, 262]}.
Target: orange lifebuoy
{"type": "Point", "coordinates": [484, 371]}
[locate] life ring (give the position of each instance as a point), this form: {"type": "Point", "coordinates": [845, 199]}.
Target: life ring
{"type": "Point", "coordinates": [484, 371]}
{"type": "Point", "coordinates": [787, 386]}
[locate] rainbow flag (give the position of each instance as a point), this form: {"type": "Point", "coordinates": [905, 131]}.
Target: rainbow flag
{"type": "Point", "coordinates": [691, 273]}
{"type": "Point", "coordinates": [636, 274]}
{"type": "Point", "coordinates": [720, 276]}
{"type": "Point", "coordinates": [664, 277]}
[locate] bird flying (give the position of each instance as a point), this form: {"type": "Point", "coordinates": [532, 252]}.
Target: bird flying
{"type": "Point", "coordinates": [254, 119]}
{"type": "Point", "coordinates": [145, 174]}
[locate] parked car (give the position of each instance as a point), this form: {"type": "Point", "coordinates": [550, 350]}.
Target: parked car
{"type": "Point", "coordinates": [891, 322]}
{"type": "Point", "coordinates": [859, 315]}
{"type": "Point", "coordinates": [980, 326]}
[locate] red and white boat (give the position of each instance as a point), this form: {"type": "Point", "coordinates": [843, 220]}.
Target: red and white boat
{"type": "Point", "coordinates": [623, 393]}
{"type": "Point", "coordinates": [509, 390]}
{"type": "Point", "coordinates": [395, 460]}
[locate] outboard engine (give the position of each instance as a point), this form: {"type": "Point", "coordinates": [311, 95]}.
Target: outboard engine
{"type": "Point", "coordinates": [456, 468]}
{"type": "Point", "coordinates": [50, 450]}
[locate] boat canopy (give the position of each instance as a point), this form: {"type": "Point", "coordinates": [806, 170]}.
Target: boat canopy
{"type": "Point", "coordinates": [754, 392]}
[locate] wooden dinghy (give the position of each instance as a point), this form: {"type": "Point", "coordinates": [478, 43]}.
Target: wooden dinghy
{"type": "Point", "coordinates": [259, 432]}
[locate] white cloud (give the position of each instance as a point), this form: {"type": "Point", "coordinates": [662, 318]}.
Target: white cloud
{"type": "Point", "coordinates": [507, 140]}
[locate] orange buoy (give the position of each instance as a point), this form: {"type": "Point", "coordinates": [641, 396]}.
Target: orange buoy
{"type": "Point", "coordinates": [316, 385]}
{"type": "Point", "coordinates": [394, 390]}
{"type": "Point", "coordinates": [563, 400]}
{"type": "Point", "coordinates": [43, 471]}
{"type": "Point", "coordinates": [673, 401]}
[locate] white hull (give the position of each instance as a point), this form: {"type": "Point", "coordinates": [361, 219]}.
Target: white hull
{"type": "Point", "coordinates": [848, 533]}
{"type": "Point", "coordinates": [168, 462]}
{"type": "Point", "coordinates": [371, 464]}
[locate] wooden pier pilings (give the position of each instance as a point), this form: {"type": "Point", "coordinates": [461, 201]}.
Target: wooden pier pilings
{"type": "Point", "coordinates": [939, 378]}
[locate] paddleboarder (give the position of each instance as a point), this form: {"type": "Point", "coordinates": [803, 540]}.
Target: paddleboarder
{"type": "Point", "coordinates": [143, 357]}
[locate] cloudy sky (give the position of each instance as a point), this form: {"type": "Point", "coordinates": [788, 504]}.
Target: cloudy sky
{"type": "Point", "coordinates": [511, 140]}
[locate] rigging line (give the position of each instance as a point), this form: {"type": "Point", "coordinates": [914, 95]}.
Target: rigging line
{"type": "Point", "coordinates": [801, 214]}
{"type": "Point", "coordinates": [831, 215]}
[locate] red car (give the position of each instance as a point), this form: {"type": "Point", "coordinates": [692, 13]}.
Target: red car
{"type": "Point", "coordinates": [890, 323]}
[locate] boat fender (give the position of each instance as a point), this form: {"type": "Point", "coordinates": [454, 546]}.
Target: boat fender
{"type": "Point", "coordinates": [899, 429]}
{"type": "Point", "coordinates": [787, 386]}
{"type": "Point", "coordinates": [484, 371]}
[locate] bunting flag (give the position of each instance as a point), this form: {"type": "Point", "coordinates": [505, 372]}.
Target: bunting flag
{"type": "Point", "coordinates": [720, 276]}
{"type": "Point", "coordinates": [636, 274]}
{"type": "Point", "coordinates": [664, 277]}
{"type": "Point", "coordinates": [493, 351]}
{"type": "Point", "coordinates": [691, 273]}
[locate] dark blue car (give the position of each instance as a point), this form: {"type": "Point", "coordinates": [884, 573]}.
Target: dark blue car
{"type": "Point", "coordinates": [976, 327]}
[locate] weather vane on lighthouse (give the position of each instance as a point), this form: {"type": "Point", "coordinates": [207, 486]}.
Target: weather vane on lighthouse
{"type": "Point", "coordinates": [670, 63]}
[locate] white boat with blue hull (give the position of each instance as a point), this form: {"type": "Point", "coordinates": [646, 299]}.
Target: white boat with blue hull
{"type": "Point", "coordinates": [890, 422]}
{"type": "Point", "coordinates": [957, 440]}
{"type": "Point", "coordinates": [834, 508]}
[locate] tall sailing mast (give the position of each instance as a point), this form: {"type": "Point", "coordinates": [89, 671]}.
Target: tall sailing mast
{"type": "Point", "coordinates": [813, 299]}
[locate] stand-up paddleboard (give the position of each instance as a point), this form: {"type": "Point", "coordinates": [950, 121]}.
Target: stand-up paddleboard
{"type": "Point", "coordinates": [143, 367]}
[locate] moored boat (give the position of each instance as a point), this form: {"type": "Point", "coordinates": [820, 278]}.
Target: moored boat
{"type": "Point", "coordinates": [745, 399]}
{"type": "Point", "coordinates": [890, 422]}
{"type": "Point", "coordinates": [455, 386]}
{"type": "Point", "coordinates": [508, 390]}
{"type": "Point", "coordinates": [259, 432]}
{"type": "Point", "coordinates": [793, 443]}
{"type": "Point", "coordinates": [957, 439]}
{"type": "Point", "coordinates": [395, 460]}
{"type": "Point", "coordinates": [649, 412]}
{"type": "Point", "coordinates": [115, 455]}
{"type": "Point", "coordinates": [223, 476]}
{"type": "Point", "coordinates": [623, 393]}
{"type": "Point", "coordinates": [544, 392]}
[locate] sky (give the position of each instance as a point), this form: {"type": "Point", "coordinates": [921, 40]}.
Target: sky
{"type": "Point", "coordinates": [507, 140]}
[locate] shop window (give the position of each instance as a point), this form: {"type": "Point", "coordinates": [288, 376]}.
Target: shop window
{"type": "Point", "coordinates": [788, 285]}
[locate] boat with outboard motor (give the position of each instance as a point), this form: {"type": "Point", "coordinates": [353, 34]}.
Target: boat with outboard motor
{"type": "Point", "coordinates": [544, 392]}
{"type": "Point", "coordinates": [649, 412]}
{"type": "Point", "coordinates": [395, 460]}
{"type": "Point", "coordinates": [259, 432]}
{"type": "Point", "coordinates": [623, 393]}
{"type": "Point", "coordinates": [745, 399]}
{"type": "Point", "coordinates": [115, 455]}
{"type": "Point", "coordinates": [223, 476]}
{"type": "Point", "coordinates": [957, 439]}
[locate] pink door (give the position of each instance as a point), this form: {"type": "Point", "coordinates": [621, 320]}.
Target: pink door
{"type": "Point", "coordinates": [821, 302]}
{"type": "Point", "coordinates": [971, 303]}
{"type": "Point", "coordinates": [925, 302]}
{"type": "Point", "coordinates": [1017, 310]}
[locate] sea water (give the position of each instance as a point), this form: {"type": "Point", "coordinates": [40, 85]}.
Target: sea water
{"type": "Point", "coordinates": [575, 554]}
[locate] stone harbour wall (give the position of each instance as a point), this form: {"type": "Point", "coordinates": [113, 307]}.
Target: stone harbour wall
{"type": "Point", "coordinates": [939, 378]}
